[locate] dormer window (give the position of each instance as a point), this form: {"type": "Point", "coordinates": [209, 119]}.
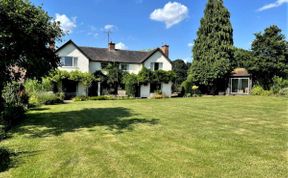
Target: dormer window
{"type": "Point", "coordinates": [69, 61]}
{"type": "Point", "coordinates": [156, 66]}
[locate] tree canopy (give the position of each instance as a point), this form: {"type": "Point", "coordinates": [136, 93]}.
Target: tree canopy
{"type": "Point", "coordinates": [181, 69]}
{"type": "Point", "coordinates": [242, 58]}
{"type": "Point", "coordinates": [25, 34]}
{"type": "Point", "coordinates": [213, 48]}
{"type": "Point", "coordinates": [270, 51]}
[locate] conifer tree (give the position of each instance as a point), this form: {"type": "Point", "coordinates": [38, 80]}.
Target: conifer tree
{"type": "Point", "coordinates": [213, 49]}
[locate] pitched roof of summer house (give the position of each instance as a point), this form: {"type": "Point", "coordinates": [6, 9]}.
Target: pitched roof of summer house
{"type": "Point", "coordinates": [240, 72]}
{"type": "Point", "coordinates": [116, 55]}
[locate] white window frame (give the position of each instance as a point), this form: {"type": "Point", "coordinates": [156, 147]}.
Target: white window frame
{"type": "Point", "coordinates": [240, 78]}
{"type": "Point", "coordinates": [74, 62]}
{"type": "Point", "coordinates": [152, 65]}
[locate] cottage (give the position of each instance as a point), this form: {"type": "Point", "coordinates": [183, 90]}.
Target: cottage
{"type": "Point", "coordinates": [240, 82]}
{"type": "Point", "coordinates": [91, 59]}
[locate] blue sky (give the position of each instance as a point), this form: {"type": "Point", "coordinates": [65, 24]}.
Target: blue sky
{"type": "Point", "coordinates": [146, 24]}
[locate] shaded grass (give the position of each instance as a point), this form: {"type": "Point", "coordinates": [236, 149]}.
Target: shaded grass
{"type": "Point", "coordinates": [191, 137]}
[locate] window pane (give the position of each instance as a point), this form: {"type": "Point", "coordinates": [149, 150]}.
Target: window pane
{"type": "Point", "coordinates": [152, 66]}
{"type": "Point", "coordinates": [75, 61]}
{"type": "Point", "coordinates": [62, 61]}
{"type": "Point", "coordinates": [104, 65]}
{"type": "Point", "coordinates": [124, 66]}
{"type": "Point", "coordinates": [68, 61]}
{"type": "Point", "coordinates": [234, 85]}
{"type": "Point", "coordinates": [160, 66]}
{"type": "Point", "coordinates": [245, 85]}
{"type": "Point", "coordinates": [156, 66]}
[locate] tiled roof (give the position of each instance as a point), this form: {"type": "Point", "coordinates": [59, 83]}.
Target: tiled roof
{"type": "Point", "coordinates": [106, 55]}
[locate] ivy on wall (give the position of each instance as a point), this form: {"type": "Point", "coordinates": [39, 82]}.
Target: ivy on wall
{"type": "Point", "coordinates": [84, 77]}
{"type": "Point", "coordinates": [145, 76]}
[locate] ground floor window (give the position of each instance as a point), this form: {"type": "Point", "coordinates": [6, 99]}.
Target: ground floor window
{"type": "Point", "coordinates": [240, 85]}
{"type": "Point", "coordinates": [155, 87]}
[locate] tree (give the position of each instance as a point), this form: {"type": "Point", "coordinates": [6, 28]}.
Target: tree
{"type": "Point", "coordinates": [270, 51]}
{"type": "Point", "coordinates": [114, 76]}
{"type": "Point", "coordinates": [241, 58]}
{"type": "Point", "coordinates": [25, 34]}
{"type": "Point", "coordinates": [181, 69]}
{"type": "Point", "coordinates": [213, 49]}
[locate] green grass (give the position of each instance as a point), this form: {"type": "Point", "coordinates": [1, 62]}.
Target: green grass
{"type": "Point", "coordinates": [189, 137]}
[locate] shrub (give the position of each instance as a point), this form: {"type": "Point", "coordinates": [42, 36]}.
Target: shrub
{"type": "Point", "coordinates": [258, 90]}
{"type": "Point", "coordinates": [105, 97]}
{"type": "Point", "coordinates": [4, 159]}
{"type": "Point", "coordinates": [131, 82]}
{"type": "Point", "coordinates": [101, 98]}
{"type": "Point", "coordinates": [13, 115]}
{"type": "Point", "coordinates": [187, 86]}
{"type": "Point", "coordinates": [33, 86]}
{"type": "Point", "coordinates": [16, 102]}
{"type": "Point", "coordinates": [47, 98]}
{"type": "Point", "coordinates": [283, 92]}
{"type": "Point", "coordinates": [278, 84]}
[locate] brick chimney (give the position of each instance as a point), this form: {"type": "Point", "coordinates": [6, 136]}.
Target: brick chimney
{"type": "Point", "coordinates": [165, 49]}
{"type": "Point", "coordinates": [111, 46]}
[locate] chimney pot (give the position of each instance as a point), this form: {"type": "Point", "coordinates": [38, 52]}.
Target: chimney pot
{"type": "Point", "coordinates": [111, 46]}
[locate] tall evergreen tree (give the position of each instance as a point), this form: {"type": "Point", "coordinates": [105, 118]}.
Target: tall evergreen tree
{"type": "Point", "coordinates": [213, 49]}
{"type": "Point", "coordinates": [270, 51]}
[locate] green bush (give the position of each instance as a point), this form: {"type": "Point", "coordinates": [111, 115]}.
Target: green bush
{"type": "Point", "coordinates": [278, 84]}
{"type": "Point", "coordinates": [4, 159]}
{"type": "Point", "coordinates": [13, 115]}
{"type": "Point", "coordinates": [283, 92]}
{"type": "Point", "coordinates": [16, 102]}
{"type": "Point", "coordinates": [259, 91]}
{"type": "Point", "coordinates": [33, 86]}
{"type": "Point", "coordinates": [131, 82]}
{"type": "Point", "coordinates": [101, 98]}
{"type": "Point", "coordinates": [46, 98]}
{"type": "Point", "coordinates": [187, 86]}
{"type": "Point", "coordinates": [94, 98]}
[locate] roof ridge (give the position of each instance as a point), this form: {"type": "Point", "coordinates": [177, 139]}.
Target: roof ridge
{"type": "Point", "coordinates": [119, 49]}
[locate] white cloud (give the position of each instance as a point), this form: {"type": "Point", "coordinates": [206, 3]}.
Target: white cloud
{"type": "Point", "coordinates": [277, 3]}
{"type": "Point", "coordinates": [171, 14]}
{"type": "Point", "coordinates": [121, 46]}
{"type": "Point", "coordinates": [66, 24]}
{"type": "Point", "coordinates": [109, 27]}
{"type": "Point", "coordinates": [191, 44]}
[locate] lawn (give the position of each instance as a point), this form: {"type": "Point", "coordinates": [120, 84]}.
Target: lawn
{"type": "Point", "coordinates": [190, 137]}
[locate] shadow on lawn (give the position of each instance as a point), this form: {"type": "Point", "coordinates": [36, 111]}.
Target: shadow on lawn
{"type": "Point", "coordinates": [42, 124]}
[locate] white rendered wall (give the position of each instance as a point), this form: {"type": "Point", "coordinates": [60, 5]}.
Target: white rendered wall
{"type": "Point", "coordinates": [134, 68]}
{"type": "Point", "coordinates": [71, 50]}
{"type": "Point", "coordinates": [158, 57]}
{"type": "Point", "coordinates": [145, 91]}
{"type": "Point", "coordinates": [167, 89]}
